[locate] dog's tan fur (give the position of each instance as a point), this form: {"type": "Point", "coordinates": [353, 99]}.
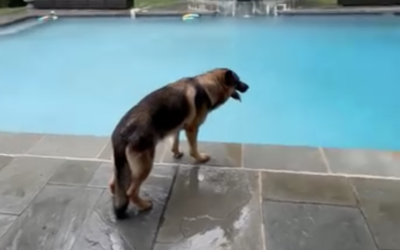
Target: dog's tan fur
{"type": "Point", "coordinates": [187, 103]}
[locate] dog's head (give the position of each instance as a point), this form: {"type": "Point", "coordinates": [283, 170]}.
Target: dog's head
{"type": "Point", "coordinates": [234, 84]}
{"type": "Point", "coordinates": [222, 84]}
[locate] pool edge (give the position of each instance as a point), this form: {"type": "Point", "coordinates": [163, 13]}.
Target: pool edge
{"type": "Point", "coordinates": [30, 14]}
{"type": "Point", "coordinates": [361, 163]}
{"type": "Point", "coordinates": [337, 10]}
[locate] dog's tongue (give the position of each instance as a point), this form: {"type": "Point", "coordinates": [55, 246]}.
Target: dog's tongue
{"type": "Point", "coordinates": [235, 95]}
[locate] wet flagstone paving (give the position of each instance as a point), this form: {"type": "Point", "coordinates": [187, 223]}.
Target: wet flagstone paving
{"type": "Point", "coordinates": [53, 195]}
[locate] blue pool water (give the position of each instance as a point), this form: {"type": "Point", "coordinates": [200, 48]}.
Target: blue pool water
{"type": "Point", "coordinates": [318, 81]}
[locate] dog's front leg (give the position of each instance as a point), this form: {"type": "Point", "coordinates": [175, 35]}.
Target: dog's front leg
{"type": "Point", "coordinates": [191, 134]}
{"type": "Point", "coordinates": [175, 146]}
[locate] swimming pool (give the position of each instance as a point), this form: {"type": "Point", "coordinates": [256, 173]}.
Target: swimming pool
{"type": "Point", "coordinates": [317, 81]}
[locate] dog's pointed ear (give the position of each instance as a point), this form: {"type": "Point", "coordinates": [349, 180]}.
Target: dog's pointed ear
{"type": "Point", "coordinates": [230, 78]}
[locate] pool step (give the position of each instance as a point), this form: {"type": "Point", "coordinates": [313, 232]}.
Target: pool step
{"type": "Point", "coordinates": [19, 27]}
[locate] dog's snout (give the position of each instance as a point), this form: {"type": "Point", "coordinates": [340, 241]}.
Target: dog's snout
{"type": "Point", "coordinates": [243, 87]}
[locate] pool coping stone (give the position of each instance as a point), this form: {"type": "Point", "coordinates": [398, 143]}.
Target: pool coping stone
{"type": "Point", "coordinates": [337, 10]}
{"type": "Point", "coordinates": [11, 19]}
{"type": "Point", "coordinates": [365, 163]}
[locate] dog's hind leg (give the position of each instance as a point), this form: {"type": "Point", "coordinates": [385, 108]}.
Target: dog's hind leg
{"type": "Point", "coordinates": [191, 134]}
{"type": "Point", "coordinates": [175, 146]}
{"type": "Point", "coordinates": [140, 164]}
{"type": "Point", "coordinates": [119, 183]}
{"type": "Point", "coordinates": [111, 184]}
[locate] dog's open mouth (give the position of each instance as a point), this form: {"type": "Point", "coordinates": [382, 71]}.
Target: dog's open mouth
{"type": "Point", "coordinates": [235, 95]}
{"type": "Point", "coordinates": [242, 88]}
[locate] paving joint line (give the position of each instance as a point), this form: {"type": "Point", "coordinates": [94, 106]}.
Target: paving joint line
{"type": "Point", "coordinates": [260, 200]}
{"type": "Point", "coordinates": [359, 206]}
{"type": "Point", "coordinates": [102, 149]}
{"type": "Point", "coordinates": [42, 137]}
{"type": "Point", "coordinates": [217, 167]}
{"type": "Point", "coordinates": [325, 159]}
{"type": "Point", "coordinates": [242, 156]}
{"type": "Point", "coordinates": [50, 183]}
{"type": "Point", "coordinates": [308, 202]}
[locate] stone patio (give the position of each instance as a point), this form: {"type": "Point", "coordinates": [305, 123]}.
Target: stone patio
{"type": "Point", "coordinates": [53, 195]}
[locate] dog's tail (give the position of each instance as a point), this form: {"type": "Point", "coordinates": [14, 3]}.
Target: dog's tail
{"type": "Point", "coordinates": [122, 178]}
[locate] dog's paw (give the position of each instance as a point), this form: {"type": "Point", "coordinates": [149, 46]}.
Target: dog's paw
{"type": "Point", "coordinates": [202, 158]}
{"type": "Point", "coordinates": [144, 205]}
{"type": "Point", "coordinates": [177, 155]}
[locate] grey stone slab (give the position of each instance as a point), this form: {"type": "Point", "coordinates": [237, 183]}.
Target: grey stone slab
{"type": "Point", "coordinates": [314, 227]}
{"type": "Point", "coordinates": [22, 179]}
{"type": "Point", "coordinates": [4, 161]}
{"type": "Point", "coordinates": [17, 143]}
{"type": "Point", "coordinates": [333, 190]}
{"type": "Point", "coordinates": [212, 208]}
{"type": "Point", "coordinates": [136, 232]}
{"type": "Point", "coordinates": [69, 146]}
{"type": "Point", "coordinates": [102, 176]}
{"type": "Point", "coordinates": [75, 172]}
{"type": "Point", "coordinates": [380, 203]}
{"type": "Point", "coordinates": [365, 162]}
{"type": "Point", "coordinates": [5, 223]}
{"type": "Point", "coordinates": [106, 153]}
{"type": "Point", "coordinates": [222, 154]}
{"type": "Point", "coordinates": [283, 158]}
{"type": "Point", "coordinates": [53, 220]}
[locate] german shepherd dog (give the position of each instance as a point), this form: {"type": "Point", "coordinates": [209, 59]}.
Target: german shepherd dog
{"type": "Point", "coordinates": [181, 105]}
